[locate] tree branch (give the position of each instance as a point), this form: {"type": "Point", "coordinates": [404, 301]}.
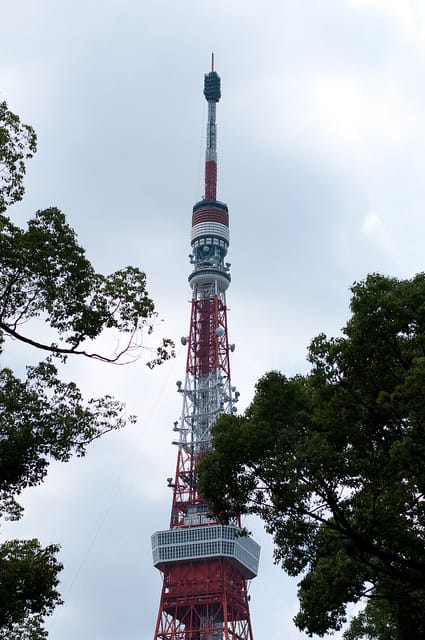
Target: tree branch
{"type": "Point", "coordinates": [64, 351]}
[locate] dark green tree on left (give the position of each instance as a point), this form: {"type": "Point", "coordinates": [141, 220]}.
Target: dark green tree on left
{"type": "Point", "coordinates": [52, 299]}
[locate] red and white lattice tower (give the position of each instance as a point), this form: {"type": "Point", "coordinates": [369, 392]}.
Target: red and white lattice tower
{"type": "Point", "coordinates": [205, 566]}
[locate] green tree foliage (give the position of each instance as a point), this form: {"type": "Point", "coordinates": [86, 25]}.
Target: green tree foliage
{"type": "Point", "coordinates": [376, 621]}
{"type": "Point", "coordinates": [27, 588]}
{"type": "Point", "coordinates": [18, 143]}
{"type": "Point", "coordinates": [52, 300]}
{"type": "Point", "coordinates": [334, 463]}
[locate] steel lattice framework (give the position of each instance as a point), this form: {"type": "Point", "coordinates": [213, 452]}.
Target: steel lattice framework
{"type": "Point", "coordinates": [205, 566]}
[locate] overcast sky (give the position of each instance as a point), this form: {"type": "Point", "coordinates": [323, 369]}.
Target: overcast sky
{"type": "Point", "coordinates": [321, 140]}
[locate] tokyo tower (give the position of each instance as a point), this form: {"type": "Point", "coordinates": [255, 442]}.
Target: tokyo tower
{"type": "Point", "coordinates": [205, 565]}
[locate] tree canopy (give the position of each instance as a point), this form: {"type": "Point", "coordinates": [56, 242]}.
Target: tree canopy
{"type": "Point", "coordinates": [53, 300]}
{"type": "Point", "coordinates": [334, 464]}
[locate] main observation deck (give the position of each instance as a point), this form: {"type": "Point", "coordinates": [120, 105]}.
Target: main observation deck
{"type": "Point", "coordinates": [207, 541]}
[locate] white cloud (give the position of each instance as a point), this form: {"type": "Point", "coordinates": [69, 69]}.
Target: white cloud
{"type": "Point", "coordinates": [367, 115]}
{"type": "Point", "coordinates": [351, 112]}
{"type": "Point", "coordinates": [375, 230]}
{"type": "Point", "coordinates": [351, 119]}
{"type": "Point", "coordinates": [407, 15]}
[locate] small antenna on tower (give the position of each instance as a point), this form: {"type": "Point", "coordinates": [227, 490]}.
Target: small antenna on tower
{"type": "Point", "coordinates": [212, 61]}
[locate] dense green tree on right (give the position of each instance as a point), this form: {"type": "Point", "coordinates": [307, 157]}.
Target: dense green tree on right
{"type": "Point", "coordinates": [334, 464]}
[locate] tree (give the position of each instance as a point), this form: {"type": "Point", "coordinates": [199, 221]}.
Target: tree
{"type": "Point", "coordinates": [53, 300]}
{"type": "Point", "coordinates": [334, 463]}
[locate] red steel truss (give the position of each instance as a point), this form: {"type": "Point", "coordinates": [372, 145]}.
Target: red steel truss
{"type": "Point", "coordinates": [203, 600]}
{"type": "Point", "coordinates": [208, 350]}
{"type": "Point", "coordinates": [208, 353]}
